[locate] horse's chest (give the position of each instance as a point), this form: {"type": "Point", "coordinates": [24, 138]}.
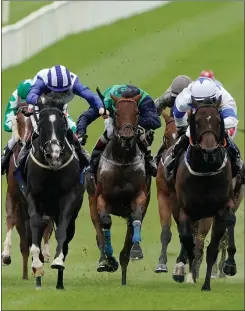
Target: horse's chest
{"type": "Point", "coordinates": [204, 199]}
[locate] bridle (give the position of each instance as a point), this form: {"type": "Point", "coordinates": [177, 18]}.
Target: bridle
{"type": "Point", "coordinates": [196, 141]}
{"type": "Point", "coordinates": [125, 126]}
{"type": "Point", "coordinates": [52, 141]}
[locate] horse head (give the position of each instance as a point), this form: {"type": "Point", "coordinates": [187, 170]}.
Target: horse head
{"type": "Point", "coordinates": [22, 126]}
{"type": "Point", "coordinates": [52, 126]}
{"type": "Point", "coordinates": [126, 120]}
{"type": "Point", "coordinates": [207, 129]}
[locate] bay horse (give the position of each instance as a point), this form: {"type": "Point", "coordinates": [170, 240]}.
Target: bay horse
{"type": "Point", "coordinates": [123, 188]}
{"type": "Point", "coordinates": [54, 188]}
{"type": "Point", "coordinates": [166, 207]}
{"type": "Point", "coordinates": [15, 203]}
{"type": "Point", "coordinates": [204, 187]}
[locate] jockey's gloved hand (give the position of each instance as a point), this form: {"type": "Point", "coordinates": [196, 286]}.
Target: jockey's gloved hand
{"type": "Point", "coordinates": [149, 136]}
{"type": "Point", "coordinates": [104, 113]}
{"type": "Point", "coordinates": [82, 138]}
{"type": "Point", "coordinates": [181, 130]}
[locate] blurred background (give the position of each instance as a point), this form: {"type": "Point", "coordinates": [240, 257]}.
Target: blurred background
{"type": "Point", "coordinates": [147, 44]}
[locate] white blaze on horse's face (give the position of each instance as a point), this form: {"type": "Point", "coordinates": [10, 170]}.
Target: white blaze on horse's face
{"type": "Point", "coordinates": [208, 118]}
{"type": "Point", "coordinates": [54, 146]}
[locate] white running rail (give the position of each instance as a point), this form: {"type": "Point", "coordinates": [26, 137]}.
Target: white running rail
{"type": "Point", "coordinates": [55, 21]}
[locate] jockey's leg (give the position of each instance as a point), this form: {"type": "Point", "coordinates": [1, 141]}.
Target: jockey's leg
{"type": "Point", "coordinates": [145, 148]}
{"type": "Point", "coordinates": [180, 146]}
{"type": "Point", "coordinates": [82, 154]}
{"type": "Point", "coordinates": [7, 151]}
{"type": "Point", "coordinates": [235, 156]}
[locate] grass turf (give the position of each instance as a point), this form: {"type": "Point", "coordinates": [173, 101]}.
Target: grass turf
{"type": "Point", "coordinates": [148, 50]}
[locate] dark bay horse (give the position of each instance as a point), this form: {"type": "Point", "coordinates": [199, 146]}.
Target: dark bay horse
{"type": "Point", "coordinates": [54, 190]}
{"type": "Point", "coordinates": [167, 206]}
{"type": "Point", "coordinates": [123, 188]}
{"type": "Point", "coordinates": [204, 187]}
{"type": "Point", "coordinates": [16, 212]}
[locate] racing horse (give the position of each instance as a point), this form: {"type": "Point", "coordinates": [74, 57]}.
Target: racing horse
{"type": "Point", "coordinates": [204, 187]}
{"type": "Point", "coordinates": [54, 190]}
{"type": "Point", "coordinates": [123, 188]}
{"type": "Point", "coordinates": [15, 205]}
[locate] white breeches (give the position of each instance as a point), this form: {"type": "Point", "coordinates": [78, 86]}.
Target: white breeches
{"type": "Point", "coordinates": [109, 127]}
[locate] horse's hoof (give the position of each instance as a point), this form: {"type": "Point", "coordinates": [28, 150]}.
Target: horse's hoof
{"type": "Point", "coordinates": [161, 268]}
{"type": "Point", "coordinates": [179, 278]}
{"type": "Point", "coordinates": [103, 266]}
{"type": "Point", "coordinates": [37, 272]}
{"type": "Point", "coordinates": [112, 264]}
{"type": "Point", "coordinates": [6, 260]}
{"type": "Point", "coordinates": [60, 287]}
{"type": "Point", "coordinates": [222, 275]}
{"type": "Point", "coordinates": [46, 259]}
{"type": "Point", "coordinates": [136, 252]}
{"type": "Point", "coordinates": [58, 264]}
{"type": "Point", "coordinates": [206, 288]}
{"type": "Point", "coordinates": [214, 276]}
{"type": "Point", "coordinates": [229, 269]}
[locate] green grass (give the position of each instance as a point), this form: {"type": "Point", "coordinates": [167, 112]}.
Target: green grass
{"type": "Point", "coordinates": [149, 51]}
{"type": "Point", "coordinates": [20, 9]}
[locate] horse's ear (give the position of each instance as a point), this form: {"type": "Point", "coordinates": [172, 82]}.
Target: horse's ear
{"type": "Point", "coordinates": [218, 101]}
{"type": "Point", "coordinates": [115, 98]}
{"type": "Point", "coordinates": [41, 102]}
{"type": "Point", "coordinates": [137, 98]}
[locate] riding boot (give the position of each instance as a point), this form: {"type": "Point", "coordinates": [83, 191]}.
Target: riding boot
{"type": "Point", "coordinates": [151, 166]}
{"type": "Point", "coordinates": [159, 153]}
{"type": "Point", "coordinates": [96, 153]}
{"type": "Point", "coordinates": [235, 156]}
{"type": "Point", "coordinates": [5, 159]}
{"type": "Point", "coordinates": [180, 146]}
{"type": "Point", "coordinates": [82, 154]}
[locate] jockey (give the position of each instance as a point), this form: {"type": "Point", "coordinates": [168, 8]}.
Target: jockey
{"type": "Point", "coordinates": [168, 98]}
{"type": "Point", "coordinates": [199, 90]}
{"type": "Point", "coordinates": [210, 74]}
{"type": "Point", "coordinates": [60, 80]}
{"type": "Point", "coordinates": [148, 119]}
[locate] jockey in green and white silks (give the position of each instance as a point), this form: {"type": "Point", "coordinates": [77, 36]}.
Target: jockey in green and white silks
{"type": "Point", "coordinates": [19, 95]}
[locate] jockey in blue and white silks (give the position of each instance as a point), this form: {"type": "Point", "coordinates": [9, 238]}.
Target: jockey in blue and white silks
{"type": "Point", "coordinates": [199, 90]}
{"type": "Point", "coordinates": [59, 79]}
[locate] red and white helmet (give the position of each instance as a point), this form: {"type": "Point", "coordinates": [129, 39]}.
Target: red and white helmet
{"type": "Point", "coordinates": [207, 73]}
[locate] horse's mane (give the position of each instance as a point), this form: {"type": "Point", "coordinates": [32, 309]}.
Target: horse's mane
{"type": "Point", "coordinates": [52, 100]}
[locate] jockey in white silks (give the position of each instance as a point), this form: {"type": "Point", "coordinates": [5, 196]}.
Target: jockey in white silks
{"type": "Point", "coordinates": [199, 90]}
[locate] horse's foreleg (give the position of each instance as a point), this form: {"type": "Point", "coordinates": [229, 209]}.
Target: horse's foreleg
{"type": "Point", "coordinates": [230, 264]}
{"type": "Point", "coordinates": [24, 245]}
{"type": "Point", "coordinates": [212, 250]}
{"type": "Point", "coordinates": [204, 226]}
{"type": "Point", "coordinates": [187, 239]}
{"type": "Point", "coordinates": [164, 208]}
{"type": "Point", "coordinates": [65, 216]}
{"type": "Point", "coordinates": [37, 228]}
{"type": "Point", "coordinates": [46, 237]}
{"type": "Point", "coordinates": [10, 223]}
{"type": "Point", "coordinates": [138, 207]}
{"type": "Point", "coordinates": [125, 252]}
{"type": "Point", "coordinates": [222, 248]}
{"type": "Point", "coordinates": [110, 264]}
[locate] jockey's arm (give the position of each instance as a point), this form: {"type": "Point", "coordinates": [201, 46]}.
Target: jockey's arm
{"type": "Point", "coordinates": [85, 119]}
{"type": "Point", "coordinates": [163, 102]}
{"type": "Point", "coordinates": [181, 107]}
{"type": "Point", "coordinates": [148, 118]}
{"type": "Point", "coordinates": [84, 92]}
{"type": "Point", "coordinates": [10, 112]}
{"type": "Point", "coordinates": [228, 110]}
{"type": "Point", "coordinates": [36, 91]}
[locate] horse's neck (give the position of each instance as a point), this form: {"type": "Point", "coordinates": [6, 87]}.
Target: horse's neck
{"type": "Point", "coordinates": [120, 154]}
{"type": "Point", "coordinates": [197, 162]}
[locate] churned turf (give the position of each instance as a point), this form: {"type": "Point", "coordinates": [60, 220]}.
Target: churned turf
{"type": "Point", "coordinates": [148, 50]}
